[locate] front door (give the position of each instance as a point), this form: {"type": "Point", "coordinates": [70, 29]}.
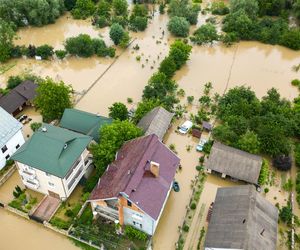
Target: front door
{"type": "Point", "coordinates": [55, 195]}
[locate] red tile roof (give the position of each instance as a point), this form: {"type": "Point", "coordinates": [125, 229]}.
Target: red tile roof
{"type": "Point", "coordinates": [129, 174]}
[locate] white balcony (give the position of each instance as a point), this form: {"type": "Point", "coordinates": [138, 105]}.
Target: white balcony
{"type": "Point", "coordinates": [33, 184]}
{"type": "Point", "coordinates": [28, 175]}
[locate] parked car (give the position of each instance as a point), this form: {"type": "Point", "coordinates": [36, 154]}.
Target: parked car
{"type": "Point", "coordinates": [176, 187]}
{"type": "Point", "coordinates": [201, 144]}
{"type": "Point", "coordinates": [185, 127]}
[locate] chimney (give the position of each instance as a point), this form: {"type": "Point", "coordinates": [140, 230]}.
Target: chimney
{"type": "Point", "coordinates": [154, 168]}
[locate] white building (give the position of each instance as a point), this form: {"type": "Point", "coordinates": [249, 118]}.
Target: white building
{"type": "Point", "coordinates": [11, 137]}
{"type": "Point", "coordinates": [53, 161]}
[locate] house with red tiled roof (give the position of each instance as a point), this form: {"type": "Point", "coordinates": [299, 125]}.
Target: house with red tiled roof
{"type": "Point", "coordinates": [135, 187]}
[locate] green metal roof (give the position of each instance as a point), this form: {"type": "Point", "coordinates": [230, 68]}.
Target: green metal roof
{"type": "Point", "coordinates": [84, 122]}
{"type": "Point", "coordinates": [52, 149]}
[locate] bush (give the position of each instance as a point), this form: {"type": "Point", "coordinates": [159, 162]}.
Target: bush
{"type": "Point", "coordinates": [9, 162]}
{"type": "Point", "coordinates": [61, 54]}
{"type": "Point", "coordinates": [44, 51]}
{"type": "Point", "coordinates": [101, 21]}
{"type": "Point", "coordinates": [229, 38]}
{"type": "Point", "coordinates": [35, 126]}
{"type": "Point", "coordinates": [185, 228]}
{"type": "Point", "coordinates": [264, 173]}
{"type": "Point", "coordinates": [295, 82]}
{"type": "Point", "coordinates": [83, 9]}
{"type": "Point", "coordinates": [60, 223]}
{"type": "Point", "coordinates": [13, 81]}
{"type": "Point", "coordinates": [207, 33]}
{"type": "Point", "coordinates": [133, 234]}
{"type": "Point", "coordinates": [138, 23]}
{"type": "Point", "coordinates": [266, 190]}
{"type": "Point", "coordinates": [219, 8]}
{"type": "Point", "coordinates": [82, 46]}
{"type": "Point", "coordinates": [291, 39]}
{"type": "Point", "coordinates": [190, 99]}
{"type": "Point", "coordinates": [193, 206]}
{"type": "Point", "coordinates": [297, 154]}
{"type": "Point", "coordinates": [178, 26]}
{"type": "Point", "coordinates": [87, 217]}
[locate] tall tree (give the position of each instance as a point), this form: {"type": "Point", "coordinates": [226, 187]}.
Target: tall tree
{"type": "Point", "coordinates": [52, 99]}
{"type": "Point", "coordinates": [118, 111]}
{"type": "Point", "coordinates": [7, 35]}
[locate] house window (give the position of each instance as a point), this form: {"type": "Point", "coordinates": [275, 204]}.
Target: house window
{"type": "Point", "coordinates": [129, 204]}
{"type": "Point", "coordinates": [7, 157]}
{"type": "Point", "coordinates": [4, 149]}
{"type": "Point", "coordinates": [17, 146]}
{"type": "Point", "coordinates": [50, 184]}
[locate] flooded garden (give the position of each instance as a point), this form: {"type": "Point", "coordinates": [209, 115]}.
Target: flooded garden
{"type": "Point", "coordinates": [100, 82]}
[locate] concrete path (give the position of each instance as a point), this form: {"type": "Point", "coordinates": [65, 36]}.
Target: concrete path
{"type": "Point", "coordinates": [46, 208]}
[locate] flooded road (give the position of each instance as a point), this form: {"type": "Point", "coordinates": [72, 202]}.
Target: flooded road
{"type": "Point", "coordinates": [254, 64]}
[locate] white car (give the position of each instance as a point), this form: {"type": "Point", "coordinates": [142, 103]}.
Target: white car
{"type": "Point", "coordinates": [201, 144]}
{"type": "Point", "coordinates": [185, 127]}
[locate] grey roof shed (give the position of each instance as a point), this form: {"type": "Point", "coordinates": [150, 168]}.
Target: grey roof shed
{"type": "Point", "coordinates": [157, 121]}
{"type": "Point", "coordinates": [242, 219]}
{"type": "Point", "coordinates": [234, 162]}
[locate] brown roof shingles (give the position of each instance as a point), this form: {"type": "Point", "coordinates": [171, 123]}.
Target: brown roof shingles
{"type": "Point", "coordinates": [129, 174]}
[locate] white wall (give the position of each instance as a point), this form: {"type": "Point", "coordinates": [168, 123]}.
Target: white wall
{"type": "Point", "coordinates": [60, 185]}
{"type": "Point", "coordinates": [11, 147]}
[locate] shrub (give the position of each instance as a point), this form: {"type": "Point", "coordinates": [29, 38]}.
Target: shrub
{"type": "Point", "coordinates": [35, 126]}
{"type": "Point", "coordinates": [229, 38]}
{"type": "Point", "coordinates": [207, 33]}
{"type": "Point", "coordinates": [178, 26]}
{"type": "Point", "coordinates": [219, 8]}
{"type": "Point", "coordinates": [129, 100]}
{"type": "Point", "coordinates": [83, 9]}
{"type": "Point", "coordinates": [282, 162]}
{"type": "Point", "coordinates": [101, 21]}
{"type": "Point", "coordinates": [266, 190]}
{"type": "Point", "coordinates": [87, 217]}
{"type": "Point", "coordinates": [295, 82]}
{"type": "Point", "coordinates": [297, 154]}
{"type": "Point", "coordinates": [44, 51]}
{"type": "Point", "coordinates": [133, 234]}
{"type": "Point", "coordinates": [264, 173]}
{"type": "Point", "coordinates": [138, 23]}
{"type": "Point", "coordinates": [185, 228]}
{"type": "Point", "coordinates": [60, 223]}
{"type": "Point", "coordinates": [120, 7]}
{"type": "Point", "coordinates": [193, 206]}
{"type": "Point", "coordinates": [190, 99]}
{"type": "Point", "coordinates": [9, 162]}
{"type": "Point", "coordinates": [61, 54]}
{"type": "Point", "coordinates": [199, 168]}
{"type": "Point", "coordinates": [81, 45]}
{"type": "Point", "coordinates": [13, 81]}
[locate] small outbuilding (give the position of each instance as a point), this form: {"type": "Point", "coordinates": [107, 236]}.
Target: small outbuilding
{"type": "Point", "coordinates": [157, 122]}
{"type": "Point", "coordinates": [235, 163]}
{"type": "Point", "coordinates": [242, 219]}
{"type": "Point", "coordinates": [207, 126]}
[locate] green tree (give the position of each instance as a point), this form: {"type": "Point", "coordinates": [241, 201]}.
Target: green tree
{"type": "Point", "coordinates": [120, 7]}
{"type": "Point", "coordinates": [138, 23]}
{"type": "Point", "coordinates": [112, 138]}
{"type": "Point", "coordinates": [291, 39]}
{"type": "Point", "coordinates": [219, 8]}
{"type": "Point", "coordinates": [207, 33]}
{"type": "Point", "coordinates": [224, 134]}
{"type": "Point", "coordinates": [52, 99]}
{"type": "Point", "coordinates": [179, 26]}
{"type": "Point", "coordinates": [83, 9]}
{"type": "Point", "coordinates": [144, 107]}
{"type": "Point", "coordinates": [81, 45]}
{"type": "Point", "coordinates": [286, 214]}
{"type": "Point", "coordinates": [104, 9]}
{"type": "Point", "coordinates": [13, 81]}
{"type": "Point", "coordinates": [118, 111]}
{"type": "Point", "coordinates": [117, 33]}
{"type": "Point", "coordinates": [249, 6]}
{"type": "Point", "coordinates": [44, 51]}
{"type": "Point", "coordinates": [69, 4]}
{"type": "Point", "coordinates": [180, 52]}
{"type": "Point", "coordinates": [271, 7]}
{"type": "Point", "coordinates": [168, 67]}
{"type": "Point", "coordinates": [7, 35]}
{"type": "Point", "coordinates": [183, 8]}
{"type": "Point", "coordinates": [249, 142]}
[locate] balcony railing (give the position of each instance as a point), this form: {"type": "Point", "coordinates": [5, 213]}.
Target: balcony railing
{"type": "Point", "coordinates": [71, 183]}
{"type": "Point", "coordinates": [28, 175]}
{"type": "Point", "coordinates": [32, 184]}
{"type": "Point", "coordinates": [107, 211]}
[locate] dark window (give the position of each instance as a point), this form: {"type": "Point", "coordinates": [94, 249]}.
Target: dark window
{"type": "Point", "coordinates": [129, 203]}
{"type": "Point", "coordinates": [17, 146]}
{"type": "Point", "coordinates": [3, 149]}
{"type": "Point", "coordinates": [7, 157]}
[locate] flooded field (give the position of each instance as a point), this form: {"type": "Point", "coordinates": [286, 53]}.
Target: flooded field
{"type": "Point", "coordinates": [247, 63]}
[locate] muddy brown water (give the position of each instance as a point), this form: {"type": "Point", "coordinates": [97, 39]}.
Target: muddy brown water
{"type": "Point", "coordinates": [254, 64]}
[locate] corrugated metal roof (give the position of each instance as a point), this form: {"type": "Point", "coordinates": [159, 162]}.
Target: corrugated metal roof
{"type": "Point", "coordinates": [9, 126]}
{"type": "Point", "coordinates": [157, 121]}
{"type": "Point", "coordinates": [53, 150]}
{"type": "Point", "coordinates": [234, 162]}
{"type": "Point", "coordinates": [84, 122]}
{"type": "Point", "coordinates": [242, 219]}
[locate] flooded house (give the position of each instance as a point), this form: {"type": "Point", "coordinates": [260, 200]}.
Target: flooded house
{"type": "Point", "coordinates": [11, 137]}
{"type": "Point", "coordinates": [234, 163]}
{"type": "Point", "coordinates": [242, 219]}
{"type": "Point", "coordinates": [53, 161]}
{"type": "Point", "coordinates": [135, 187]}
{"type": "Point", "coordinates": [84, 122]}
{"type": "Point", "coordinates": [157, 122]}
{"type": "Point", "coordinates": [19, 97]}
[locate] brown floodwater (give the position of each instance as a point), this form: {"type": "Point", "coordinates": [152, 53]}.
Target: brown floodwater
{"type": "Point", "coordinates": [252, 64]}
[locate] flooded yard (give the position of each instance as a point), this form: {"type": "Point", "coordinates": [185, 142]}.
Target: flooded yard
{"type": "Point", "coordinates": [252, 64]}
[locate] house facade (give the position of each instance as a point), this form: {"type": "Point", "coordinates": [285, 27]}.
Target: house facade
{"type": "Point", "coordinates": [136, 186]}
{"type": "Point", "coordinates": [11, 137]}
{"type": "Point", "coordinates": [53, 161]}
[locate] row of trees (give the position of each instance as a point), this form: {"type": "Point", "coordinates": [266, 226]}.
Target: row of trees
{"type": "Point", "coordinates": [257, 126]}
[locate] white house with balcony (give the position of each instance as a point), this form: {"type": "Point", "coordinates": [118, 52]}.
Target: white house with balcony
{"type": "Point", "coordinates": [11, 137]}
{"type": "Point", "coordinates": [53, 161]}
